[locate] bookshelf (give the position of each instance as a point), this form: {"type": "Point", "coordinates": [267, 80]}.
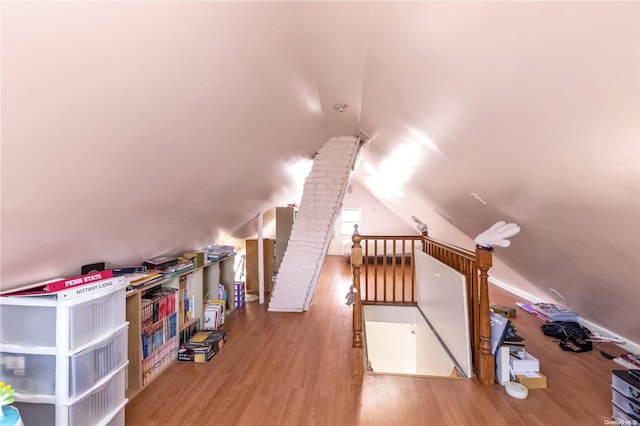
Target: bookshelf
{"type": "Point", "coordinates": [194, 284]}
{"type": "Point", "coordinates": [253, 272]}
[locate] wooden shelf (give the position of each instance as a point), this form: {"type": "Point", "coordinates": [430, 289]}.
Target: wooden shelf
{"type": "Point", "coordinates": [203, 280]}
{"type": "Point", "coordinates": [188, 323]}
{"type": "Point", "coordinates": [253, 273]}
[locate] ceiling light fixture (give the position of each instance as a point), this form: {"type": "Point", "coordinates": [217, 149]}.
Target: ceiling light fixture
{"type": "Point", "coordinates": [340, 107]}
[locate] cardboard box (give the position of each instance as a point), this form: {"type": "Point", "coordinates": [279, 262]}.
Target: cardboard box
{"type": "Point", "coordinates": [532, 380]}
{"type": "Point", "coordinates": [199, 257]}
{"type": "Point", "coordinates": [202, 346]}
{"type": "Point", "coordinates": [505, 311]}
{"type": "Point", "coordinates": [201, 354]}
{"type": "Point", "coordinates": [218, 338]}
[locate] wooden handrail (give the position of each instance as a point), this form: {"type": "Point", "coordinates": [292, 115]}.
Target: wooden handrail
{"type": "Point", "coordinates": [473, 265]}
{"type": "Point", "coordinates": [357, 346]}
{"type": "Point", "coordinates": [388, 275]}
{"type": "Point", "coordinates": [486, 368]}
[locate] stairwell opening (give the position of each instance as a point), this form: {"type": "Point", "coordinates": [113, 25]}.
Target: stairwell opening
{"type": "Point", "coordinates": [399, 341]}
{"type": "Point", "coordinates": [431, 338]}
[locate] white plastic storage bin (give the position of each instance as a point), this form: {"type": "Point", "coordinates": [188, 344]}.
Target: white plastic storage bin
{"type": "Point", "coordinates": [96, 317]}
{"type": "Point", "coordinates": [100, 406]}
{"type": "Point", "coordinates": [620, 417]}
{"type": "Point", "coordinates": [117, 419]}
{"type": "Point", "coordinates": [91, 365]}
{"type": "Point", "coordinates": [100, 403]}
{"type": "Point", "coordinates": [626, 384]}
{"type": "Point", "coordinates": [627, 406]}
{"type": "Point", "coordinates": [27, 325]}
{"type": "Point", "coordinates": [33, 374]}
{"type": "Point", "coordinates": [67, 358]}
{"type": "Point", "coordinates": [33, 321]}
{"type": "Point", "coordinates": [36, 414]}
{"type": "Point", "coordinates": [29, 373]}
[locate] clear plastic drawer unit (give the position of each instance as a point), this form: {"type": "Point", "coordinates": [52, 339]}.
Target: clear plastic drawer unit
{"type": "Point", "coordinates": [66, 359]}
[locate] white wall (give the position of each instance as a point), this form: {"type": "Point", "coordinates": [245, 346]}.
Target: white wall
{"type": "Point", "coordinates": [377, 219]}
{"type": "Point", "coordinates": [399, 341]}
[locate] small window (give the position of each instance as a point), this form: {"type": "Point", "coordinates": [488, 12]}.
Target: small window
{"type": "Point", "coordinates": [349, 218]}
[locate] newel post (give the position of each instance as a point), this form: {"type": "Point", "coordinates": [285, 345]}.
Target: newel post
{"type": "Point", "coordinates": [487, 360]}
{"type": "Point", "coordinates": [357, 347]}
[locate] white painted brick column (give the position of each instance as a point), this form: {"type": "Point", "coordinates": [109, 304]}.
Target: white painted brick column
{"type": "Point", "coordinates": [323, 192]}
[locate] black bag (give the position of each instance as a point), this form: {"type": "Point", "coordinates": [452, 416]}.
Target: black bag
{"type": "Point", "coordinates": [571, 336]}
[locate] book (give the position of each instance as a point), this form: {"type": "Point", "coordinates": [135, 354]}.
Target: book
{"type": "Point", "coordinates": [178, 269]}
{"type": "Point", "coordinates": [59, 284]}
{"type": "Point", "coordinates": [75, 291]}
{"type": "Point", "coordinates": [160, 262]}
{"type": "Point", "coordinates": [218, 252]}
{"type": "Point", "coordinates": [623, 362]}
{"type": "Point", "coordinates": [555, 312]}
{"type": "Point", "coordinates": [129, 270]}
{"type": "Point", "coordinates": [138, 279]}
{"type": "Point", "coordinates": [220, 305]}
{"type": "Point", "coordinates": [499, 326]}
{"type": "Point", "coordinates": [213, 316]}
{"type": "Point", "coordinates": [632, 358]}
{"type": "Point", "coordinates": [528, 307]}
{"type": "Point", "coordinates": [83, 290]}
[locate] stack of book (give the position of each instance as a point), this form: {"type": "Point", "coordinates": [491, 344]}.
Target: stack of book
{"type": "Point", "coordinates": [170, 265]}
{"type": "Point", "coordinates": [218, 252]}
{"type": "Point", "coordinates": [139, 279]}
{"type": "Point", "coordinates": [189, 331]}
{"type": "Point", "coordinates": [181, 267]}
{"type": "Point", "coordinates": [630, 360]}
{"type": "Point", "coordinates": [549, 312]}
{"type": "Point", "coordinates": [157, 304]}
{"type": "Point", "coordinates": [214, 313]}
{"type": "Point", "coordinates": [160, 263]}
{"type": "Point", "coordinates": [499, 327]}
{"type": "Point", "coordinates": [202, 346]}
{"type": "Point", "coordinates": [68, 288]}
{"type": "Point", "coordinates": [186, 298]}
{"type": "Point", "coordinates": [555, 312]}
{"type": "Point", "coordinates": [159, 322]}
{"type": "Point", "coordinates": [239, 294]}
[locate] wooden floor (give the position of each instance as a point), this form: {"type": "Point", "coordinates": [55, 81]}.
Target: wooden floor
{"type": "Point", "coordinates": [295, 369]}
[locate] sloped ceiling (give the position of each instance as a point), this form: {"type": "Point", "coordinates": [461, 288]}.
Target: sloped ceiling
{"type": "Point", "coordinates": [133, 129]}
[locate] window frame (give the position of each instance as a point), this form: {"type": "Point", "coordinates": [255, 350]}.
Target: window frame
{"type": "Point", "coordinates": [349, 223]}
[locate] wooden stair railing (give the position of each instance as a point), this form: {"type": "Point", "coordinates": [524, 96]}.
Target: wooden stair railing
{"type": "Point", "coordinates": [473, 265]}
{"type": "Point", "coordinates": [357, 347]}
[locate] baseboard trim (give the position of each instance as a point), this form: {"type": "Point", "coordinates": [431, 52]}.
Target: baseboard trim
{"type": "Point", "coordinates": [630, 345]}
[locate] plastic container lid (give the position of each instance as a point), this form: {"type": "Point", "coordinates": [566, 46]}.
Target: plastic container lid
{"type": "Point", "coordinates": [516, 390]}
{"type": "Point", "coordinates": [10, 416]}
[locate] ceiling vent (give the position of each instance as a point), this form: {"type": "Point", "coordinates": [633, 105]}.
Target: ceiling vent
{"type": "Point", "coordinates": [477, 198]}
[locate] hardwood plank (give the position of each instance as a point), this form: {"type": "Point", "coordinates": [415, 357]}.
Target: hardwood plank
{"type": "Point", "coordinates": [294, 369]}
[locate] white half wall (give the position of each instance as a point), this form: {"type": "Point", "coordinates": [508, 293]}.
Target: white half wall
{"type": "Point", "coordinates": [399, 341]}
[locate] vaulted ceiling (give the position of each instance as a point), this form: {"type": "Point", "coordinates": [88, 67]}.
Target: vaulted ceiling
{"type": "Point", "coordinates": [130, 129]}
